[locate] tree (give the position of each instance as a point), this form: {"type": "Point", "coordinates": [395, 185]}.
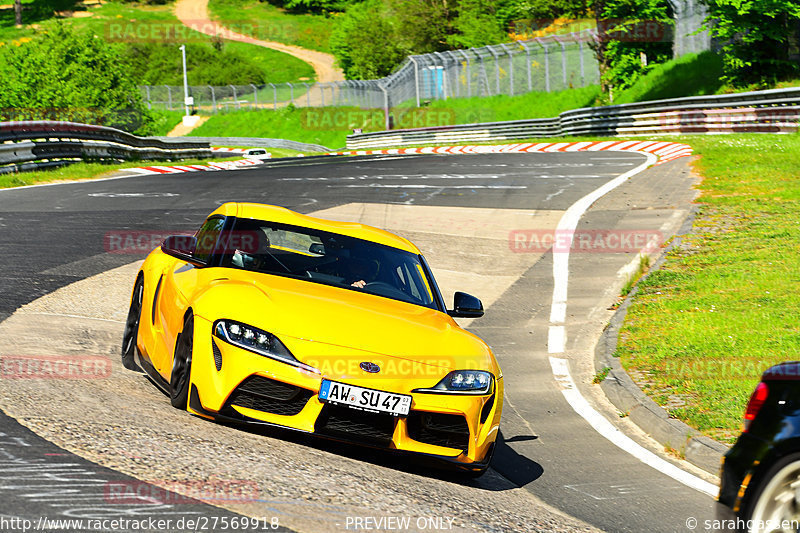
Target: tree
{"type": "Point", "coordinates": [632, 37]}
{"type": "Point", "coordinates": [758, 39]}
{"type": "Point", "coordinates": [18, 12]}
{"type": "Point", "coordinates": [365, 42]}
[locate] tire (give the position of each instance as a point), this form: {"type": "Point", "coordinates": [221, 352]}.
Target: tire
{"type": "Point", "coordinates": [132, 327]}
{"type": "Point", "coordinates": [774, 499]}
{"type": "Point", "coordinates": [180, 380]}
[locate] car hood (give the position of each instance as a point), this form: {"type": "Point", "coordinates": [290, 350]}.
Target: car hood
{"type": "Point", "coordinates": [315, 320]}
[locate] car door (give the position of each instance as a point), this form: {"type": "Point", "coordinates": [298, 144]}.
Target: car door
{"type": "Point", "coordinates": [179, 282]}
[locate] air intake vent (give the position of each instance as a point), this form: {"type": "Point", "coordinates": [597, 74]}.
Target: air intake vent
{"type": "Point", "coordinates": [217, 355]}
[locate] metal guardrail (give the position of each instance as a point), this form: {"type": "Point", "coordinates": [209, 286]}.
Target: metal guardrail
{"type": "Point", "coordinates": [258, 142]}
{"type": "Point", "coordinates": [773, 111]}
{"type": "Point", "coordinates": [39, 144]}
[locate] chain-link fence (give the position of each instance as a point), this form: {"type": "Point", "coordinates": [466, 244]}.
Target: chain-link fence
{"type": "Point", "coordinates": [543, 64]}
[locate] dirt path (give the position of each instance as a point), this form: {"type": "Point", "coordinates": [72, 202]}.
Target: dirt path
{"type": "Point", "coordinates": [194, 14]}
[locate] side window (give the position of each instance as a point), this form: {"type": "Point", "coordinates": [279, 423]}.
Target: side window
{"type": "Point", "coordinates": [207, 237]}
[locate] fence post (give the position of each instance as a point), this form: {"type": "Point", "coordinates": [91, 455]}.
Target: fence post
{"type": "Point", "coordinates": [469, 73]}
{"type": "Point", "coordinates": [546, 65]}
{"type": "Point", "coordinates": [213, 99]}
{"type": "Point", "coordinates": [322, 94]}
{"type": "Point", "coordinates": [583, 71]}
{"type": "Point", "coordinates": [416, 77]}
{"type": "Point", "coordinates": [308, 94]}
{"type": "Point", "coordinates": [169, 97]}
{"type": "Point", "coordinates": [563, 60]}
{"type": "Point", "coordinates": [274, 97]}
{"type": "Point", "coordinates": [291, 91]}
{"type": "Point", "coordinates": [385, 105]}
{"type": "Point", "coordinates": [235, 100]}
{"type": "Point", "coordinates": [149, 103]}
{"type": "Point", "coordinates": [510, 69]}
{"type": "Point", "coordinates": [496, 69]}
{"type": "Point", "coordinates": [255, 95]}
{"type": "Point", "coordinates": [528, 62]}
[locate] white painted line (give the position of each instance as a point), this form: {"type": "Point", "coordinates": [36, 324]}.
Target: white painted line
{"type": "Point", "coordinates": [420, 186]}
{"type": "Point", "coordinates": [556, 339]}
{"type": "Point", "coordinates": [605, 428]}
{"type": "Point", "coordinates": [558, 313]}
{"type": "Point", "coordinates": [568, 223]}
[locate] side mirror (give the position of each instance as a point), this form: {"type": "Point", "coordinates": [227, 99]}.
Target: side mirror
{"type": "Point", "coordinates": [181, 247]}
{"type": "Point", "coordinates": [466, 306]}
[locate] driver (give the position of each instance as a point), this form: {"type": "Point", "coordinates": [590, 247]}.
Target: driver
{"type": "Point", "coordinates": [359, 272]}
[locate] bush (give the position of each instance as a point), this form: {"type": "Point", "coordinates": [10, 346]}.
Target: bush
{"type": "Point", "coordinates": [159, 64]}
{"type": "Point", "coordinates": [63, 75]}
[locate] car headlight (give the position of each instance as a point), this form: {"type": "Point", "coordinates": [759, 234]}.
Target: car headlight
{"type": "Point", "coordinates": [256, 340]}
{"type": "Point", "coordinates": [463, 382]}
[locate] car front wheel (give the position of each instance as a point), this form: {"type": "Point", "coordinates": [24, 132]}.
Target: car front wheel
{"type": "Point", "coordinates": [182, 365]}
{"type": "Point", "coordinates": [132, 327]}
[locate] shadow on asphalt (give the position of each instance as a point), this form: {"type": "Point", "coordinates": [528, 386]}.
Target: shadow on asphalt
{"type": "Point", "coordinates": [517, 469]}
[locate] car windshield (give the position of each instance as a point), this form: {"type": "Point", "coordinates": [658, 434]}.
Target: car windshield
{"type": "Point", "coordinates": [331, 259]}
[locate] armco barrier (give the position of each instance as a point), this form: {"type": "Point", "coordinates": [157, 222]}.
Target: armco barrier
{"type": "Point", "coordinates": [773, 111]}
{"type": "Point", "coordinates": [39, 144]}
{"type": "Point", "coordinates": [259, 142]}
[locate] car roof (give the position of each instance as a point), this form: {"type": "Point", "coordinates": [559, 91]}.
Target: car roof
{"type": "Point", "coordinates": [273, 213]}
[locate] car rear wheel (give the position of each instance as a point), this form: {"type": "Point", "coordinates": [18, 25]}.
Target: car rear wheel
{"type": "Point", "coordinates": [182, 365]}
{"type": "Point", "coordinates": [776, 499]}
{"type": "Point", "coordinates": [132, 327]}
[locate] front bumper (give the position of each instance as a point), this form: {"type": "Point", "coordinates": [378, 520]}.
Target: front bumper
{"type": "Point", "coordinates": [235, 385]}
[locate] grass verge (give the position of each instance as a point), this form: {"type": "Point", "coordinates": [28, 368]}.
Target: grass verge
{"type": "Point", "coordinates": [267, 22]}
{"type": "Point", "coordinates": [724, 306]}
{"type": "Point", "coordinates": [329, 126]}
{"type": "Point", "coordinates": [88, 170]}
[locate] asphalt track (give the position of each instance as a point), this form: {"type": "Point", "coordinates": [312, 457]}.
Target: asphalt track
{"type": "Point", "coordinates": [53, 236]}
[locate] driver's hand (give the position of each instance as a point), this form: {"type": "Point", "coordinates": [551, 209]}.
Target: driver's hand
{"type": "Point", "coordinates": [360, 284]}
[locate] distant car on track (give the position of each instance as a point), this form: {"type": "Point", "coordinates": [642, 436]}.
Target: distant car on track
{"type": "Point", "coordinates": [258, 154]}
{"type": "Point", "coordinates": [266, 316]}
{"type": "Point", "coordinates": [760, 474]}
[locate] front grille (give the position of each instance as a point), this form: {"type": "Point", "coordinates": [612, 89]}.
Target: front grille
{"type": "Point", "coordinates": [352, 424]}
{"type": "Point", "coordinates": [270, 396]}
{"type": "Point", "coordinates": [450, 431]}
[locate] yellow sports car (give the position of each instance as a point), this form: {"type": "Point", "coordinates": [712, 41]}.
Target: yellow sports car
{"type": "Point", "coordinates": [267, 316]}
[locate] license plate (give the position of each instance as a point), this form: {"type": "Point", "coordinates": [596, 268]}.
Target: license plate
{"type": "Point", "coordinates": [366, 399]}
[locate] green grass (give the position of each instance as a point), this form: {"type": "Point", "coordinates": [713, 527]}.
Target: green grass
{"type": "Point", "coordinates": [725, 304]}
{"type": "Point", "coordinates": [530, 105]}
{"type": "Point", "coordinates": [330, 126]}
{"type": "Point", "coordinates": [326, 126]}
{"type": "Point", "coordinates": [690, 75]}
{"type": "Point", "coordinates": [267, 22]}
{"type": "Point", "coordinates": [130, 23]}
{"type": "Point", "coordinates": [165, 121]}
{"type": "Point", "coordinates": [88, 170]}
